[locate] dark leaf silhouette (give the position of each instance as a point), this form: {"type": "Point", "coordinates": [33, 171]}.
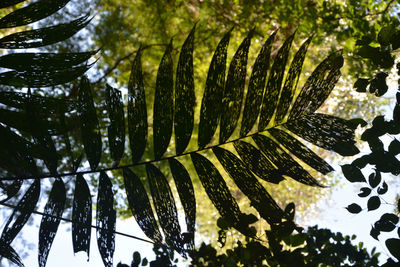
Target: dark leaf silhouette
{"type": "Point", "coordinates": [212, 98]}
{"type": "Point", "coordinates": [352, 173]}
{"type": "Point", "coordinates": [184, 95]}
{"type": "Point", "coordinates": [81, 216]}
{"type": "Point", "coordinates": [255, 90]}
{"type": "Point", "coordinates": [9, 190]}
{"type": "Point", "coordinates": [105, 220]}
{"type": "Point", "coordinates": [233, 91]}
{"type": "Point", "coordinates": [116, 130]}
{"type": "Point", "coordinates": [365, 191]}
{"type": "Point", "coordinates": [49, 225]}
{"type": "Point", "coordinates": [20, 214]}
{"type": "Point", "coordinates": [137, 113]}
{"type": "Point", "coordinates": [43, 36]}
{"type": "Point", "coordinates": [6, 251]}
{"type": "Point", "coordinates": [354, 208]}
{"type": "Point", "coordinates": [90, 125]}
{"type": "Point", "coordinates": [165, 207]}
{"type": "Point", "coordinates": [140, 205]}
{"type": "Point", "coordinates": [270, 99]}
{"type": "Point", "coordinates": [8, 3]}
{"type": "Point", "coordinates": [163, 104]}
{"type": "Point", "coordinates": [393, 245]}
{"type": "Point", "coordinates": [186, 194]}
{"type": "Point", "coordinates": [31, 13]}
{"type": "Point", "coordinates": [373, 203]}
{"type": "Point", "coordinates": [374, 179]}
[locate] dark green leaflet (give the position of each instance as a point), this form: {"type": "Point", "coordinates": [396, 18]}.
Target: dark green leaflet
{"type": "Point", "coordinates": [301, 151]}
{"type": "Point", "coordinates": [31, 13]}
{"type": "Point", "coordinates": [106, 218]}
{"type": "Point", "coordinates": [163, 104]}
{"type": "Point", "coordinates": [137, 113]}
{"type": "Point", "coordinates": [258, 163]}
{"type": "Point", "coordinates": [270, 99]}
{"type": "Point", "coordinates": [318, 86]}
{"type": "Point", "coordinates": [43, 36]}
{"type": "Point", "coordinates": [6, 251]}
{"type": "Point", "coordinates": [328, 132]}
{"type": "Point", "coordinates": [212, 99]}
{"type": "Point", "coordinates": [291, 81]}
{"type": "Point", "coordinates": [8, 3]}
{"type": "Point", "coordinates": [43, 61]}
{"type": "Point", "coordinates": [20, 214]}
{"type": "Point", "coordinates": [42, 137]}
{"type": "Point", "coordinates": [218, 191]}
{"type": "Point", "coordinates": [81, 216]}
{"type": "Point", "coordinates": [140, 205]}
{"type": "Point", "coordinates": [256, 87]}
{"type": "Point", "coordinates": [42, 78]}
{"type": "Point", "coordinates": [248, 184]}
{"type": "Point", "coordinates": [10, 190]}
{"type": "Point", "coordinates": [47, 105]}
{"type": "Point", "coordinates": [234, 88]}
{"type": "Point", "coordinates": [164, 204]}
{"type": "Point", "coordinates": [184, 95]}
{"type": "Point", "coordinates": [116, 129]}
{"type": "Point", "coordinates": [283, 160]}
{"type": "Point", "coordinates": [90, 131]}
{"type": "Point", "coordinates": [186, 194]}
{"type": "Point", "coordinates": [49, 225]}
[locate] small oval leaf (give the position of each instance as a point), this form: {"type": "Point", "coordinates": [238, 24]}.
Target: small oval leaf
{"type": "Point", "coordinates": [373, 203]}
{"type": "Point", "coordinates": [354, 208]}
{"type": "Point", "coordinates": [365, 191]}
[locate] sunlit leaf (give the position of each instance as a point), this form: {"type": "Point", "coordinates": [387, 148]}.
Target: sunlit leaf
{"type": "Point", "coordinates": [212, 99]}
{"type": "Point", "coordinates": [140, 205]}
{"type": "Point", "coordinates": [137, 112]}
{"type": "Point", "coordinates": [184, 95]}
{"type": "Point", "coordinates": [8, 3]}
{"type": "Point", "coordinates": [81, 216]}
{"type": "Point", "coordinates": [49, 225]}
{"type": "Point", "coordinates": [164, 204]}
{"type": "Point", "coordinates": [234, 90]}
{"type": "Point", "coordinates": [106, 218]}
{"type": "Point", "coordinates": [256, 87]}
{"type": "Point", "coordinates": [163, 104]}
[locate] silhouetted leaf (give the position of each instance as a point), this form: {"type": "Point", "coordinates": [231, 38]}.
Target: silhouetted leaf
{"type": "Point", "coordinates": [352, 173]}
{"type": "Point", "coordinates": [260, 199]}
{"type": "Point", "coordinates": [90, 130]}
{"type": "Point", "coordinates": [290, 210]}
{"type": "Point", "coordinates": [137, 112]}
{"type": "Point", "coordinates": [301, 151]}
{"type": "Point", "coordinates": [378, 84]}
{"type": "Point", "coordinates": [318, 86]}
{"type": "Point", "coordinates": [43, 61]}
{"type": "Point", "coordinates": [234, 89]}
{"type": "Point", "coordinates": [7, 252]}
{"type": "Point", "coordinates": [40, 78]}
{"type": "Point", "coordinates": [393, 245]}
{"type": "Point", "coordinates": [382, 190]}
{"type": "Point", "coordinates": [373, 203]}
{"type": "Point", "coordinates": [81, 216]}
{"type": "Point", "coordinates": [105, 220]}
{"type": "Point", "coordinates": [291, 81]}
{"type": "Point", "coordinates": [387, 222]}
{"type": "Point", "coordinates": [270, 99]}
{"type": "Point", "coordinates": [365, 191]}
{"type": "Point", "coordinates": [283, 160]}
{"type": "Point", "coordinates": [21, 214]}
{"type": "Point", "coordinates": [325, 131]}
{"type": "Point", "coordinates": [163, 104]}
{"type": "Point", "coordinates": [211, 104]}
{"type": "Point", "coordinates": [49, 225]}
{"type": "Point", "coordinates": [374, 233]}
{"type": "Point", "coordinates": [184, 95]}
{"type": "Point", "coordinates": [256, 86]}
{"type": "Point", "coordinates": [8, 3]}
{"type": "Point", "coordinates": [374, 179]}
{"type": "Point", "coordinates": [361, 85]}
{"type": "Point", "coordinates": [44, 36]}
{"type": "Point", "coordinates": [185, 190]}
{"type": "Point", "coordinates": [394, 147]}
{"type": "Point", "coordinates": [31, 13]}
{"type": "Point", "coordinates": [218, 191]}
{"type": "Point", "coordinates": [257, 162]}
{"type": "Point", "coordinates": [9, 190]}
{"type": "Point", "coordinates": [354, 208]}
{"type": "Point", "coordinates": [164, 204]}
{"type": "Point", "coordinates": [116, 130]}
{"type": "Point", "coordinates": [140, 205]}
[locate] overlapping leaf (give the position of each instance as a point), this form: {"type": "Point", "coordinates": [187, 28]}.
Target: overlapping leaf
{"type": "Point", "coordinates": [7, 252]}
{"type": "Point", "coordinates": [49, 225]}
